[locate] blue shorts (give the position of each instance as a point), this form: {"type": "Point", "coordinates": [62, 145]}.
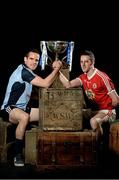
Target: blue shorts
{"type": "Point", "coordinates": [4, 113]}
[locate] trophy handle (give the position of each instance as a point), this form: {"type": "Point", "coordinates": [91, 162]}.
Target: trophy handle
{"type": "Point", "coordinates": [64, 58]}
{"type": "Point", "coordinates": [65, 65]}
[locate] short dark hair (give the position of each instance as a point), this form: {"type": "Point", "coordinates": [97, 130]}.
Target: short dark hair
{"type": "Point", "coordinates": [32, 50]}
{"type": "Point", "coordinates": [88, 53]}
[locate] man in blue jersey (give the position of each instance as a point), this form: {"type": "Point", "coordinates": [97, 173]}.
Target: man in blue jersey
{"type": "Point", "coordinates": [18, 94]}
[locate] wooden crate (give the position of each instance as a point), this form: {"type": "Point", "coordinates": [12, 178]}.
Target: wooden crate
{"type": "Point", "coordinates": [31, 141]}
{"type": "Point", "coordinates": [7, 139]}
{"type": "Point", "coordinates": [67, 148]}
{"type": "Point", "coordinates": [61, 109]}
{"type": "Point", "coordinates": [61, 149]}
{"type": "Point", "coordinates": [114, 138]}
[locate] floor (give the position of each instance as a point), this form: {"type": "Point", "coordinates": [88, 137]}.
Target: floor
{"type": "Point", "coordinates": [106, 169]}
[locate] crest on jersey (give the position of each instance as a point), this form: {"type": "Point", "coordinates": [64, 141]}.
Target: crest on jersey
{"type": "Point", "coordinates": [94, 85]}
{"type": "Point", "coordinates": [90, 94]}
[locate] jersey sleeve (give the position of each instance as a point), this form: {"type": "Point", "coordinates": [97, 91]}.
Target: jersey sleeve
{"type": "Point", "coordinates": [81, 77]}
{"type": "Point", "coordinates": [112, 87]}
{"type": "Point", "coordinates": [27, 75]}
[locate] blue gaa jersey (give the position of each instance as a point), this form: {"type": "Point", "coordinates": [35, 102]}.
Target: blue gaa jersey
{"type": "Point", "coordinates": [19, 89]}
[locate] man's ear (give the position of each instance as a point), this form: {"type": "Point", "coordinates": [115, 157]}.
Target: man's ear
{"type": "Point", "coordinates": [25, 59]}
{"type": "Point", "coordinates": [92, 62]}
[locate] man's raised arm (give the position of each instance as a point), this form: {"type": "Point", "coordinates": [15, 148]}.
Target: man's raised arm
{"type": "Point", "coordinates": [69, 84]}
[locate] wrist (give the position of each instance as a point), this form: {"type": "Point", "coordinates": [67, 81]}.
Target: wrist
{"type": "Point", "coordinates": [56, 69]}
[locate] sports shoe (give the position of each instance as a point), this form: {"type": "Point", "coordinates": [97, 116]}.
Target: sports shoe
{"type": "Point", "coordinates": [18, 161]}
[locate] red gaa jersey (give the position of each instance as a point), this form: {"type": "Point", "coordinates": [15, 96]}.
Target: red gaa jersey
{"type": "Point", "coordinates": [97, 88]}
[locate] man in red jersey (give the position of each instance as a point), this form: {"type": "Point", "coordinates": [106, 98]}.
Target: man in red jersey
{"type": "Point", "coordinates": [98, 88]}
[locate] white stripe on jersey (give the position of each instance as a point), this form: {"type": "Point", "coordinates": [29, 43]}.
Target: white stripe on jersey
{"type": "Point", "coordinates": [8, 109]}
{"type": "Point", "coordinates": [104, 78]}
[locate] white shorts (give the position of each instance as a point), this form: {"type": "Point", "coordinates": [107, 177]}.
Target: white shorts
{"type": "Point", "coordinates": [110, 113]}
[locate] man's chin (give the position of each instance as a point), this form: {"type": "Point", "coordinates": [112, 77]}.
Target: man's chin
{"type": "Point", "coordinates": [33, 68]}
{"type": "Point", "coordinates": [84, 71]}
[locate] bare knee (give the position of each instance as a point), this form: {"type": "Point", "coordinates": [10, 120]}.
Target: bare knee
{"type": "Point", "coordinates": [25, 119]}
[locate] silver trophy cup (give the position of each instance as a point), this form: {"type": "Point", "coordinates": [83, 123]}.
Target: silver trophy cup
{"type": "Point", "coordinates": [57, 47]}
{"type": "Point", "coordinates": [54, 51]}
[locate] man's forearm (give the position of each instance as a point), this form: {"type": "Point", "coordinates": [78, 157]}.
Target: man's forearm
{"type": "Point", "coordinates": [64, 80]}
{"type": "Point", "coordinates": [50, 79]}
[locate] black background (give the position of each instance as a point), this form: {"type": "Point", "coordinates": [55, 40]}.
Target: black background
{"type": "Point", "coordinates": [91, 25]}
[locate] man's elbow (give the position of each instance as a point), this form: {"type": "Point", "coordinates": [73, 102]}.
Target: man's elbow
{"type": "Point", "coordinates": [67, 86]}
{"type": "Point", "coordinates": [46, 84]}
